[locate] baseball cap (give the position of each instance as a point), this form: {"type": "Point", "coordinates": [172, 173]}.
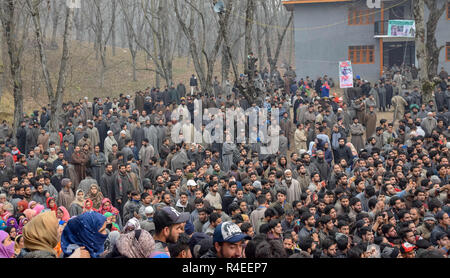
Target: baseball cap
{"type": "Point", "coordinates": [168, 216]}
{"type": "Point", "coordinates": [229, 232]}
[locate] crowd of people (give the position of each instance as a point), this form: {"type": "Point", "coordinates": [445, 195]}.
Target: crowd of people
{"type": "Point", "coordinates": [344, 183]}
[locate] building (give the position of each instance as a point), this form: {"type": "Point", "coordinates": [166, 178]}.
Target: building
{"type": "Point", "coordinates": [327, 32]}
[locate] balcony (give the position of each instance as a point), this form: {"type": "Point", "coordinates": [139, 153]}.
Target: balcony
{"type": "Point", "coordinates": [381, 32]}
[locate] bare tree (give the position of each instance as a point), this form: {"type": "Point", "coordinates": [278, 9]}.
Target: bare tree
{"type": "Point", "coordinates": [56, 11]}
{"type": "Point", "coordinates": [427, 51]}
{"type": "Point", "coordinates": [10, 11]}
{"type": "Point", "coordinates": [273, 59]}
{"type": "Point", "coordinates": [203, 59]}
{"type": "Point", "coordinates": [102, 32]}
{"type": "Point", "coordinates": [55, 96]}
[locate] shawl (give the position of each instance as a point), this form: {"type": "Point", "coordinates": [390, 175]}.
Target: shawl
{"type": "Point", "coordinates": [132, 224]}
{"type": "Point", "coordinates": [83, 230]}
{"type": "Point", "coordinates": [41, 233]}
{"type": "Point", "coordinates": [6, 251]}
{"type": "Point", "coordinates": [78, 201]}
{"type": "Point", "coordinates": [136, 244]}
{"type": "Point", "coordinates": [38, 208]}
{"type": "Point", "coordinates": [97, 198]}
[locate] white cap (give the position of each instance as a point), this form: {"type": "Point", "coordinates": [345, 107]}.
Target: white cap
{"type": "Point", "coordinates": [60, 167]}
{"type": "Point", "coordinates": [123, 132]}
{"type": "Point", "coordinates": [191, 183]}
{"type": "Point", "coordinates": [149, 210]}
{"type": "Point", "coordinates": [109, 131]}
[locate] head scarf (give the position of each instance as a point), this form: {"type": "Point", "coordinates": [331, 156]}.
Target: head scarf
{"type": "Point", "coordinates": [12, 222]}
{"type": "Point", "coordinates": [95, 198]}
{"type": "Point", "coordinates": [77, 201]}
{"type": "Point", "coordinates": [38, 208]}
{"type": "Point", "coordinates": [66, 215]}
{"type": "Point", "coordinates": [21, 225]}
{"type": "Point", "coordinates": [5, 251]}
{"type": "Point", "coordinates": [31, 203]}
{"type": "Point", "coordinates": [87, 205]}
{"type": "Point", "coordinates": [41, 233]}
{"type": "Point", "coordinates": [55, 208]}
{"type": "Point", "coordinates": [17, 248]}
{"type": "Point", "coordinates": [83, 231]}
{"type": "Point", "coordinates": [24, 205]}
{"type": "Point", "coordinates": [110, 209]}
{"type": "Point", "coordinates": [29, 213]}
{"type": "Point", "coordinates": [132, 224]}
{"type": "Point", "coordinates": [130, 247]}
{"type": "Point", "coordinates": [2, 225]}
{"type": "Point", "coordinates": [109, 214]}
{"type": "Point", "coordinates": [111, 241]}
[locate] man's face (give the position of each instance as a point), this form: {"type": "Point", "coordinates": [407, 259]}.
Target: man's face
{"type": "Point", "coordinates": [445, 220]}
{"type": "Point", "coordinates": [175, 231]}
{"type": "Point", "coordinates": [311, 221]}
{"type": "Point", "coordinates": [167, 199]}
{"type": "Point", "coordinates": [345, 230]}
{"type": "Point", "coordinates": [410, 237]}
{"type": "Point", "coordinates": [243, 207]}
{"type": "Point", "coordinates": [229, 250]}
{"type": "Point", "coordinates": [357, 207]}
{"type": "Point", "coordinates": [202, 216]}
{"type": "Point", "coordinates": [183, 199]}
{"type": "Point", "coordinates": [392, 232]}
{"type": "Point", "coordinates": [332, 250]}
{"type": "Point", "coordinates": [281, 197]}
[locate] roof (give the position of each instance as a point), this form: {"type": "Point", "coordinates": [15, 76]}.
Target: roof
{"type": "Point", "coordinates": [290, 2]}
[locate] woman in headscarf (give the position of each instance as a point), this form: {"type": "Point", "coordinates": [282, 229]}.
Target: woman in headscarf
{"type": "Point", "coordinates": [41, 236]}
{"type": "Point", "coordinates": [6, 246]}
{"type": "Point", "coordinates": [32, 204]}
{"type": "Point", "coordinates": [135, 244]}
{"type": "Point", "coordinates": [18, 246]}
{"type": "Point", "coordinates": [87, 230]}
{"type": "Point", "coordinates": [21, 206]}
{"type": "Point", "coordinates": [4, 214]}
{"type": "Point", "coordinates": [38, 208]}
{"type": "Point", "coordinates": [12, 222]}
{"type": "Point", "coordinates": [62, 214]}
{"type": "Point", "coordinates": [2, 225]}
{"type": "Point", "coordinates": [29, 214]}
{"type": "Point", "coordinates": [96, 196]}
{"type": "Point", "coordinates": [107, 207]}
{"type": "Point", "coordinates": [12, 232]}
{"type": "Point", "coordinates": [88, 206]}
{"type": "Point", "coordinates": [51, 204]}
{"type": "Point", "coordinates": [132, 224]}
{"type": "Point", "coordinates": [112, 226]}
{"type": "Point", "coordinates": [76, 208]}
{"type": "Point", "coordinates": [22, 224]}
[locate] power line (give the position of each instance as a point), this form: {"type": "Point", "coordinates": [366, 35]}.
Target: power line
{"type": "Point", "coordinates": [318, 27]}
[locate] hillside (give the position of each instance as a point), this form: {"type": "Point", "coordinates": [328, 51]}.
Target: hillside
{"type": "Point", "coordinates": [84, 73]}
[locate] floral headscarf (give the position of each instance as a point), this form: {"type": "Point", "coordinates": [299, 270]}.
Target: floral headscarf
{"type": "Point", "coordinates": [95, 198]}
{"type": "Point", "coordinates": [110, 209]}
{"type": "Point", "coordinates": [38, 208]}
{"type": "Point", "coordinates": [136, 244]}
{"type": "Point", "coordinates": [22, 224]}
{"type": "Point", "coordinates": [132, 224]}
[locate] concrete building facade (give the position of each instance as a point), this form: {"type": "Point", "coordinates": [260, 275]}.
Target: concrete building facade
{"type": "Point", "coordinates": [327, 32]}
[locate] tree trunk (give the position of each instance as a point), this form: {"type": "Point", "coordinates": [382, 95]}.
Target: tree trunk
{"type": "Point", "coordinates": [15, 48]}
{"type": "Point", "coordinates": [248, 29]}
{"type": "Point", "coordinates": [433, 50]}
{"type": "Point", "coordinates": [56, 8]}
{"type": "Point", "coordinates": [113, 34]}
{"type": "Point", "coordinates": [133, 62]}
{"type": "Point", "coordinates": [225, 65]}
{"type": "Point", "coordinates": [421, 50]}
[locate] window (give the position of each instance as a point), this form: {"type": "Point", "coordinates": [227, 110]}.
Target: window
{"type": "Point", "coordinates": [447, 52]}
{"type": "Point", "coordinates": [363, 54]}
{"type": "Point", "coordinates": [448, 10]}
{"type": "Point", "coordinates": [360, 16]}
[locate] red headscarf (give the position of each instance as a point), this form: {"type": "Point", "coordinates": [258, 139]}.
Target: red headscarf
{"type": "Point", "coordinates": [24, 205]}
{"type": "Point", "coordinates": [55, 208]}
{"type": "Point", "coordinates": [110, 209]}
{"type": "Point", "coordinates": [66, 215]}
